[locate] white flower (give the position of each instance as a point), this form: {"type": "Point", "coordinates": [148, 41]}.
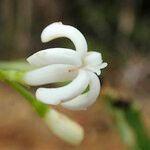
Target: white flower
{"type": "Point", "coordinates": [62, 64]}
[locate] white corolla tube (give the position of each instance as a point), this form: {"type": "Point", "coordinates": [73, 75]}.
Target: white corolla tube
{"type": "Point", "coordinates": [57, 29]}
{"type": "Point", "coordinates": [85, 100]}
{"type": "Point", "coordinates": [55, 56]}
{"type": "Point", "coordinates": [50, 74]}
{"type": "Point", "coordinates": [56, 95]}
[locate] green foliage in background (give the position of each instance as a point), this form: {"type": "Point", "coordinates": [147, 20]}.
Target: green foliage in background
{"type": "Point", "coordinates": [128, 120]}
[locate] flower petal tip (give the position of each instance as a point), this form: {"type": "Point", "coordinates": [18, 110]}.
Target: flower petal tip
{"type": "Point", "coordinates": [47, 31]}
{"type": "Point", "coordinates": [64, 127]}
{"type": "Point", "coordinates": [104, 65]}
{"type": "Point", "coordinates": [41, 95]}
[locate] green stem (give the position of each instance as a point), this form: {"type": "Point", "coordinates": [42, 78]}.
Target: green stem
{"type": "Point", "coordinates": [12, 75]}
{"type": "Point", "coordinates": [15, 79]}
{"type": "Point", "coordinates": [39, 107]}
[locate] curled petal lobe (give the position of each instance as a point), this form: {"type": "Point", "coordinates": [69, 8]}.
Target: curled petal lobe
{"type": "Point", "coordinates": [57, 29]}
{"type": "Point", "coordinates": [50, 74]}
{"type": "Point", "coordinates": [56, 95]}
{"type": "Point", "coordinates": [93, 62]}
{"type": "Point", "coordinates": [103, 65]}
{"type": "Point", "coordinates": [85, 100]}
{"type": "Point", "coordinates": [55, 56]}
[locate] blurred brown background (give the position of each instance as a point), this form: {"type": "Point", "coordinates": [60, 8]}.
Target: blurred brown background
{"type": "Point", "coordinates": [120, 30]}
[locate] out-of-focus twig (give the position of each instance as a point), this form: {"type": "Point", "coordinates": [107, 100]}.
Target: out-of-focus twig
{"type": "Point", "coordinates": [127, 117]}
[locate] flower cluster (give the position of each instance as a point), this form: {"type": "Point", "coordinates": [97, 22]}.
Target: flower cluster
{"type": "Point", "coordinates": [62, 64]}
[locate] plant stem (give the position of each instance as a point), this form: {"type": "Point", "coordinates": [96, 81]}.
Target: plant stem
{"type": "Point", "coordinates": [40, 108]}
{"type": "Point", "coordinates": [14, 79]}
{"type": "Point", "coordinates": [12, 75]}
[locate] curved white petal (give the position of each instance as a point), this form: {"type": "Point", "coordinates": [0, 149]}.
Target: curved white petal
{"type": "Point", "coordinates": [49, 74]}
{"type": "Point", "coordinates": [57, 29]}
{"type": "Point", "coordinates": [55, 56]}
{"type": "Point", "coordinates": [87, 99]}
{"type": "Point", "coordinates": [56, 95]}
